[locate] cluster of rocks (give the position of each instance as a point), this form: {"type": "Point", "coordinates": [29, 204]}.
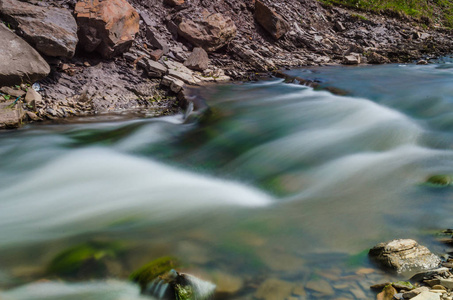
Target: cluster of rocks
{"type": "Point", "coordinates": [434, 279]}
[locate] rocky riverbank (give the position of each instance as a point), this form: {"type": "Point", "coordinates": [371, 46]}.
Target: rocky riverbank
{"type": "Point", "coordinates": [92, 57]}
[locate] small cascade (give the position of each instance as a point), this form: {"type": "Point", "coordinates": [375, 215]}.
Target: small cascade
{"type": "Point", "coordinates": [178, 286]}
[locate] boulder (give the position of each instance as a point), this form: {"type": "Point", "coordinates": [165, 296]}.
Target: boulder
{"type": "Point", "coordinates": [198, 60]}
{"type": "Point", "coordinates": [376, 58]}
{"type": "Point", "coordinates": [210, 32]}
{"type": "Point", "coordinates": [270, 20]}
{"type": "Point", "coordinates": [50, 30]}
{"type": "Point", "coordinates": [351, 59]}
{"type": "Point", "coordinates": [11, 116]}
{"type": "Point", "coordinates": [19, 62]}
{"type": "Point", "coordinates": [404, 255]}
{"type": "Point", "coordinates": [108, 27]}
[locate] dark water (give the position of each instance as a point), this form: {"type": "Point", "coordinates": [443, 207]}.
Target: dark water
{"type": "Point", "coordinates": [276, 181]}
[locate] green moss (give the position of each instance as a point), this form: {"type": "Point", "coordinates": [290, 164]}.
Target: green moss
{"type": "Point", "coordinates": [183, 292]}
{"type": "Point", "coordinates": [70, 261]}
{"type": "Point", "coordinates": [150, 271]}
{"type": "Point", "coordinates": [439, 180]}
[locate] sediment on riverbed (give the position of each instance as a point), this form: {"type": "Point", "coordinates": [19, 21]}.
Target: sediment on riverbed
{"type": "Point", "coordinates": [143, 53]}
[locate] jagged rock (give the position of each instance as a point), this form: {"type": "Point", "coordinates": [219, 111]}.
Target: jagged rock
{"type": "Point", "coordinates": [19, 62]}
{"type": "Point", "coordinates": [198, 60]}
{"type": "Point", "coordinates": [175, 84]}
{"type": "Point", "coordinates": [210, 32]}
{"type": "Point", "coordinates": [270, 20]}
{"type": "Point", "coordinates": [351, 59]}
{"type": "Point", "coordinates": [376, 58]}
{"type": "Point", "coordinates": [154, 68]}
{"type": "Point", "coordinates": [156, 41]}
{"type": "Point", "coordinates": [404, 255]}
{"type": "Point", "coordinates": [108, 27]}
{"type": "Point", "coordinates": [174, 2]}
{"type": "Point", "coordinates": [11, 116]}
{"type": "Point", "coordinates": [181, 72]}
{"type": "Point", "coordinates": [50, 30]}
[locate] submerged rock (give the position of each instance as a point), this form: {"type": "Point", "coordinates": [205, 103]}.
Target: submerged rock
{"type": "Point", "coordinates": [149, 272]}
{"type": "Point", "coordinates": [440, 180]}
{"type": "Point", "coordinates": [87, 260]}
{"type": "Point", "coordinates": [404, 255]}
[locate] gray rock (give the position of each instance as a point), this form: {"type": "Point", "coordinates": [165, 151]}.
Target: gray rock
{"type": "Point", "coordinates": [50, 30]}
{"type": "Point", "coordinates": [175, 84]}
{"type": "Point", "coordinates": [427, 296]}
{"type": "Point", "coordinates": [19, 62]}
{"type": "Point", "coordinates": [187, 78]}
{"type": "Point", "coordinates": [198, 60]}
{"type": "Point", "coordinates": [351, 59]}
{"type": "Point", "coordinates": [155, 41]}
{"type": "Point", "coordinates": [415, 292]}
{"type": "Point", "coordinates": [404, 255]}
{"type": "Point", "coordinates": [447, 283]}
{"type": "Point", "coordinates": [13, 92]}
{"type": "Point", "coordinates": [154, 68]}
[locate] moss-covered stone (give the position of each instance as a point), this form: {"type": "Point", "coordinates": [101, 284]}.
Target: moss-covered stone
{"type": "Point", "coordinates": [87, 260]}
{"type": "Point", "coordinates": [183, 292]}
{"type": "Point", "coordinates": [152, 270]}
{"type": "Point", "coordinates": [440, 180]}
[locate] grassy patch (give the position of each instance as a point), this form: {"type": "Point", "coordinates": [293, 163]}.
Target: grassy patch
{"type": "Point", "coordinates": [434, 12]}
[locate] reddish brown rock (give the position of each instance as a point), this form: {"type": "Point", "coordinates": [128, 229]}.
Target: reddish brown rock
{"type": "Point", "coordinates": [50, 30]}
{"type": "Point", "coordinates": [174, 3]}
{"type": "Point", "coordinates": [108, 27]}
{"type": "Point", "coordinates": [210, 32]}
{"type": "Point", "coordinates": [198, 60]}
{"type": "Point", "coordinates": [270, 20]}
{"type": "Point", "coordinates": [156, 54]}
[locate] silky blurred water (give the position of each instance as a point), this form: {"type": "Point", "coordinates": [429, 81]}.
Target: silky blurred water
{"type": "Point", "coordinates": [274, 180]}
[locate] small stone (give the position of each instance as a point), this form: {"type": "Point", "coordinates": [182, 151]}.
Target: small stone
{"type": "Point", "coordinates": [175, 84]}
{"type": "Point", "coordinates": [273, 289]}
{"type": "Point", "coordinates": [339, 26]}
{"type": "Point", "coordinates": [439, 287]}
{"type": "Point", "coordinates": [422, 62]}
{"type": "Point", "coordinates": [198, 60]}
{"type": "Point", "coordinates": [86, 64]}
{"type": "Point", "coordinates": [13, 92]}
{"type": "Point", "coordinates": [365, 271]}
{"type": "Point", "coordinates": [156, 54]}
{"type": "Point", "coordinates": [447, 283]}
{"type": "Point", "coordinates": [415, 292]}
{"type": "Point", "coordinates": [32, 95]}
{"type": "Point", "coordinates": [154, 69]}
{"type": "Point", "coordinates": [320, 286]}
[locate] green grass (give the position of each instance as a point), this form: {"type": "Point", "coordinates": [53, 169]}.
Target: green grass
{"type": "Point", "coordinates": [434, 12]}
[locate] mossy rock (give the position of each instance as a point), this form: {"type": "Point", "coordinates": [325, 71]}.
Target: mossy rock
{"type": "Point", "coordinates": [440, 180]}
{"type": "Point", "coordinates": [87, 260]}
{"type": "Point", "coordinates": [152, 270]}
{"type": "Point", "coordinates": [184, 292]}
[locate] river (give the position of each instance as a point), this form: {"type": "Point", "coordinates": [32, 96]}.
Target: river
{"type": "Point", "coordinates": [277, 181]}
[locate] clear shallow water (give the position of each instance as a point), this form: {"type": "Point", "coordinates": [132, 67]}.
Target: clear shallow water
{"type": "Point", "coordinates": [277, 181]}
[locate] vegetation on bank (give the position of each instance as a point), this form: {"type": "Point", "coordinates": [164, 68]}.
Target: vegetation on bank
{"type": "Point", "coordinates": [437, 13]}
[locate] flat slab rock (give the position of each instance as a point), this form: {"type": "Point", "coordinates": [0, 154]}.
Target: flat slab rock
{"type": "Point", "coordinates": [404, 255]}
{"type": "Point", "coordinates": [11, 116]}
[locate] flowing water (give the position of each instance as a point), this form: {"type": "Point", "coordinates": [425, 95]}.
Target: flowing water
{"type": "Point", "coordinates": [277, 180]}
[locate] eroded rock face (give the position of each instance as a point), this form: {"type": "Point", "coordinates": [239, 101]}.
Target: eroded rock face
{"type": "Point", "coordinates": [19, 62]}
{"type": "Point", "coordinates": [108, 27]}
{"type": "Point", "coordinates": [210, 32]}
{"type": "Point", "coordinates": [50, 30]}
{"type": "Point", "coordinates": [270, 20]}
{"type": "Point", "coordinates": [404, 255]}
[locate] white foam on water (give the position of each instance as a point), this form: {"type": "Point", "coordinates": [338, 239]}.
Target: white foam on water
{"type": "Point", "coordinates": [99, 290]}
{"type": "Point", "coordinates": [87, 189]}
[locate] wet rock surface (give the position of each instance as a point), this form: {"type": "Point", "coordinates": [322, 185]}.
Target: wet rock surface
{"type": "Point", "coordinates": [404, 255]}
